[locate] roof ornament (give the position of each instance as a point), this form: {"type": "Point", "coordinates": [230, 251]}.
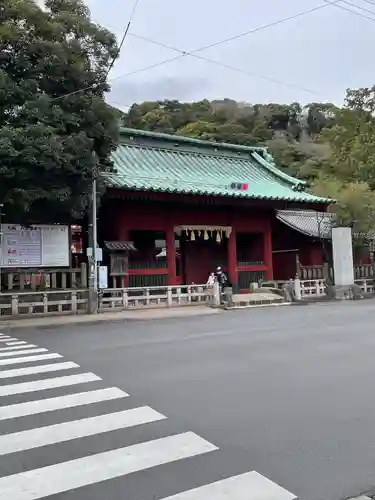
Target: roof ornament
{"type": "Point", "coordinates": [240, 186]}
{"type": "Point", "coordinates": [269, 158]}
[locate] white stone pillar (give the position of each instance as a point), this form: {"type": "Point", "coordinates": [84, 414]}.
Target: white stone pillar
{"type": "Point", "coordinates": [343, 256]}
{"type": "Point", "coordinates": [297, 289]}
{"type": "Point", "coordinates": [216, 297]}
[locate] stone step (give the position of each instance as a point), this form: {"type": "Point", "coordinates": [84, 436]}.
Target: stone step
{"type": "Point", "coordinates": [255, 299]}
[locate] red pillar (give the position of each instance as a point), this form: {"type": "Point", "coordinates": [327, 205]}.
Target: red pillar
{"type": "Point", "coordinates": [267, 252]}
{"type": "Point", "coordinates": [232, 257]}
{"type": "Point", "coordinates": [171, 255]}
{"type": "Point", "coordinates": [123, 234]}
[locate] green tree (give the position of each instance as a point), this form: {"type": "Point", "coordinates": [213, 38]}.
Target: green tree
{"type": "Point", "coordinates": [319, 116]}
{"type": "Point", "coordinates": [51, 146]}
{"type": "Point", "coordinates": [355, 202]}
{"type": "Point", "coordinates": [347, 173]}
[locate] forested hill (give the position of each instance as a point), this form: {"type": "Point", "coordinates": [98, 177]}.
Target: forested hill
{"type": "Point", "coordinates": [332, 148]}
{"type": "Point", "coordinates": [288, 130]}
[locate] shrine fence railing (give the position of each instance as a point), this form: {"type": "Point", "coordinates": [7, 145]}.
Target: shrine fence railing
{"type": "Point", "coordinates": [25, 280]}
{"type": "Point", "coordinates": [159, 296]}
{"type": "Point", "coordinates": [317, 287]}
{"type": "Point", "coordinates": [365, 271]}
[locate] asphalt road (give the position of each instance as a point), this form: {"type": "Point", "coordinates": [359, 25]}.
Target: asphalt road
{"type": "Point", "coordinates": [287, 392]}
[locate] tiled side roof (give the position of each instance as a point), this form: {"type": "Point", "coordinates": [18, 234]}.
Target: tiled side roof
{"type": "Point", "coordinates": [309, 222]}
{"type": "Point", "coordinates": [201, 168]}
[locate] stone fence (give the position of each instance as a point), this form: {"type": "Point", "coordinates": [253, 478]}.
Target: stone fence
{"type": "Point", "coordinates": [317, 287]}
{"type": "Point", "coordinates": [29, 280]}
{"type": "Point", "coordinates": [58, 302]}
{"type": "Point", "coordinates": [24, 304]}
{"type": "Point", "coordinates": [159, 296]}
{"type": "Point", "coordinates": [364, 271]}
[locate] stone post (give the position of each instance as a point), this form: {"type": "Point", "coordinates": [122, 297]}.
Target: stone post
{"type": "Point", "coordinates": [297, 289]}
{"type": "Point", "coordinates": [216, 296]}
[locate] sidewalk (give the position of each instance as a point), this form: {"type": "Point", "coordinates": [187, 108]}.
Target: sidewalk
{"type": "Point", "coordinates": [137, 315]}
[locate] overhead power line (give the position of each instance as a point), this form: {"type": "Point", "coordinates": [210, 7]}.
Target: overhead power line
{"type": "Point", "coordinates": [123, 37]}
{"type": "Point", "coordinates": [226, 40]}
{"type": "Point", "coordinates": [351, 4]}
{"type": "Point", "coordinates": [114, 58]}
{"type": "Point", "coordinates": [371, 2]}
{"type": "Point", "coordinates": [215, 44]}
{"type": "Point", "coordinates": [356, 13]}
{"type": "Point", "coordinates": [224, 65]}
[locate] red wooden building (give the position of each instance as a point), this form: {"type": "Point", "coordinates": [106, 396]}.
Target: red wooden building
{"type": "Point", "coordinates": [178, 207]}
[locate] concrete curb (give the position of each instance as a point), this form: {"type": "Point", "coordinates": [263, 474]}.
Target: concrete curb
{"type": "Point", "coordinates": [116, 317]}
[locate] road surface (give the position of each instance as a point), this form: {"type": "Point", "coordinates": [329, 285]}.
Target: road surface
{"type": "Point", "coordinates": [262, 404]}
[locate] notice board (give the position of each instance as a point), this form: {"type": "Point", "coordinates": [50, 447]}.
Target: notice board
{"type": "Point", "coordinates": [35, 246]}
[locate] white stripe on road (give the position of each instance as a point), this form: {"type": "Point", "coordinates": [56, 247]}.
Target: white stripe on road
{"type": "Point", "coordinates": [249, 486]}
{"type": "Point", "coordinates": [17, 353]}
{"type": "Point", "coordinates": [14, 348]}
{"type": "Point", "coordinates": [18, 342]}
{"type": "Point", "coordinates": [60, 403]}
{"type": "Point", "coordinates": [6, 339]}
{"type": "Point", "coordinates": [49, 383]}
{"type": "Point", "coordinates": [58, 478]}
{"type": "Point", "coordinates": [67, 431]}
{"type": "Point", "coordinates": [32, 370]}
{"type": "Point", "coordinates": [26, 359]}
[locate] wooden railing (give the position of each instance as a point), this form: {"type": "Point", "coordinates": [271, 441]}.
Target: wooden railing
{"type": "Point", "coordinates": [43, 303]}
{"type": "Point", "coordinates": [43, 279]}
{"type": "Point", "coordinates": [158, 296]}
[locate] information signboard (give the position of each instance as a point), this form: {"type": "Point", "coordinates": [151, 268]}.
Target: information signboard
{"type": "Point", "coordinates": [34, 246]}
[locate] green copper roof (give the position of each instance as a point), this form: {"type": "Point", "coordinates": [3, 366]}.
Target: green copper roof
{"type": "Point", "coordinates": [150, 161]}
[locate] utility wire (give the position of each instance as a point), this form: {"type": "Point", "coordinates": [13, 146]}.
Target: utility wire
{"type": "Point", "coordinates": [226, 40]}
{"type": "Point", "coordinates": [123, 37]}
{"type": "Point", "coordinates": [113, 60]}
{"type": "Point", "coordinates": [338, 6]}
{"type": "Point", "coordinates": [215, 44]}
{"type": "Point", "coordinates": [227, 66]}
{"type": "Point", "coordinates": [351, 4]}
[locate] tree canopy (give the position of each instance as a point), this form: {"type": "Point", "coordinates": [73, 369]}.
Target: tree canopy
{"type": "Point", "coordinates": [54, 138]}
{"type": "Point", "coordinates": [331, 148]}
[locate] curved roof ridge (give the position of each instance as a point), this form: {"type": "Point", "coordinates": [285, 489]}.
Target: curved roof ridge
{"type": "Point", "coordinates": [190, 140]}
{"type": "Point", "coordinates": [267, 164]}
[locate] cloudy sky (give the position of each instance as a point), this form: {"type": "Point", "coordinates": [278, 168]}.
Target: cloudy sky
{"type": "Point", "coordinates": [324, 51]}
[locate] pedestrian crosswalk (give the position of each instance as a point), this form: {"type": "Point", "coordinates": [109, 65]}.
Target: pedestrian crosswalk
{"type": "Point", "coordinates": [36, 386]}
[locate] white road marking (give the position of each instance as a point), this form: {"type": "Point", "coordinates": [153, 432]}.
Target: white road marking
{"type": "Point", "coordinates": [6, 339]}
{"type": "Point", "coordinates": [49, 383]}
{"type": "Point", "coordinates": [18, 342]}
{"type": "Point", "coordinates": [58, 478]}
{"type": "Point", "coordinates": [61, 402]}
{"type": "Point", "coordinates": [17, 353]}
{"type": "Point", "coordinates": [67, 431]}
{"type": "Point", "coordinates": [31, 370]}
{"type": "Point", "coordinates": [27, 359]}
{"type": "Point", "coordinates": [14, 348]}
{"type": "Point", "coordinates": [249, 486]}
